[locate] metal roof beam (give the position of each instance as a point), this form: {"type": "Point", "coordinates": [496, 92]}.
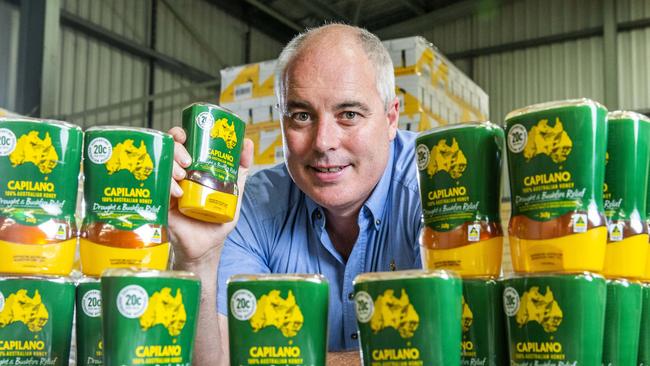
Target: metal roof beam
{"type": "Point", "coordinates": [414, 6]}
{"type": "Point", "coordinates": [194, 33]}
{"type": "Point", "coordinates": [210, 84]}
{"type": "Point", "coordinates": [276, 15]}
{"type": "Point", "coordinates": [440, 16]}
{"type": "Point", "coordinates": [547, 40]}
{"type": "Point", "coordinates": [527, 43]}
{"type": "Point", "coordinates": [255, 18]}
{"type": "Point", "coordinates": [170, 63]}
{"type": "Point", "coordinates": [325, 11]}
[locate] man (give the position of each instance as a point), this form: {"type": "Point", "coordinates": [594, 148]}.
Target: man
{"type": "Point", "coordinates": [345, 202]}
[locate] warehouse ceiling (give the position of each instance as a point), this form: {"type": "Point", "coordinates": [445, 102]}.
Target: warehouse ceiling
{"type": "Point", "coordinates": [282, 19]}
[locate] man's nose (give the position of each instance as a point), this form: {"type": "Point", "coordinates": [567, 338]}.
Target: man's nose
{"type": "Point", "coordinates": [327, 134]}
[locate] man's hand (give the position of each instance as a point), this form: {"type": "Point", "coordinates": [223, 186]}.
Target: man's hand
{"type": "Point", "coordinates": [197, 246]}
{"type": "Point", "coordinates": [196, 241]}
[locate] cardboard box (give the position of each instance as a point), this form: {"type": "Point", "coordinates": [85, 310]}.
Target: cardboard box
{"type": "Point", "coordinates": [245, 82]}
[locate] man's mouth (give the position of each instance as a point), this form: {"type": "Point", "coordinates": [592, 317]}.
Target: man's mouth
{"type": "Point", "coordinates": [330, 169]}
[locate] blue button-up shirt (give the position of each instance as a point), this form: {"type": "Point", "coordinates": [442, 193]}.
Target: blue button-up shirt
{"type": "Point", "coordinates": [282, 230]}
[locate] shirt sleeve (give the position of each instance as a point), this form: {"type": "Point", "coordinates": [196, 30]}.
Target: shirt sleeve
{"type": "Point", "coordinates": [242, 252]}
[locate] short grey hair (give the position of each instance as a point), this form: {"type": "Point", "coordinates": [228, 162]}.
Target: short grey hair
{"type": "Point", "coordinates": [370, 43]}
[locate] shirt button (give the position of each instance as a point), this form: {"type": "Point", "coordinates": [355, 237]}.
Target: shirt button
{"type": "Point", "coordinates": [377, 222]}
{"type": "Point", "coordinates": [351, 296]}
{"type": "Point", "coordinates": [318, 215]}
{"type": "Point", "coordinates": [354, 336]}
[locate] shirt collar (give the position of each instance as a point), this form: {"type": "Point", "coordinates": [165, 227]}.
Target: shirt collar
{"type": "Point", "coordinates": [374, 205]}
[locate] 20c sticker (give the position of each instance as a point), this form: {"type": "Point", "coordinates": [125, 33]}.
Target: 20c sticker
{"type": "Point", "coordinates": [243, 304]}
{"type": "Point", "coordinates": [132, 301]}
{"type": "Point", "coordinates": [99, 150]}
{"type": "Point", "coordinates": [91, 303]}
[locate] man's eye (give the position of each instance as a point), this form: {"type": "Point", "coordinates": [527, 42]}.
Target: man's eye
{"type": "Point", "coordinates": [301, 116]}
{"type": "Point", "coordinates": [349, 115]}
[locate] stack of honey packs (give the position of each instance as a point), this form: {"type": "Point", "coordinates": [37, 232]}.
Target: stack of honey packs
{"type": "Point", "coordinates": [555, 306]}
{"type": "Point", "coordinates": [644, 336]}
{"type": "Point", "coordinates": [40, 162]}
{"type": "Point", "coordinates": [126, 189]}
{"type": "Point", "coordinates": [625, 193]}
{"type": "Point", "coordinates": [127, 182]}
{"type": "Point", "coordinates": [459, 174]}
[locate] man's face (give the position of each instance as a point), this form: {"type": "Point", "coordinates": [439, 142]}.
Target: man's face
{"type": "Point", "coordinates": [337, 132]}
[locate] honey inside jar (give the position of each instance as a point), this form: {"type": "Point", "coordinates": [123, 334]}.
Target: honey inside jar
{"type": "Point", "coordinates": [107, 234]}
{"type": "Point", "coordinates": [459, 176]}
{"type": "Point", "coordinates": [48, 232]}
{"type": "Point", "coordinates": [215, 137]}
{"type": "Point", "coordinates": [556, 161]}
{"type": "Point", "coordinates": [126, 189]}
{"type": "Point", "coordinates": [38, 232]}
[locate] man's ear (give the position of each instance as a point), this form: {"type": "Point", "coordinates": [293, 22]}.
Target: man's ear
{"type": "Point", "coordinates": [392, 115]}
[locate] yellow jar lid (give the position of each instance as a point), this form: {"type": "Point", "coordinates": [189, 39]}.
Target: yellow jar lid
{"type": "Point", "coordinates": [206, 204]}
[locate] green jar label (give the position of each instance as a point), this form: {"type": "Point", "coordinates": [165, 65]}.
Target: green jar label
{"type": "Point", "coordinates": [149, 320]}
{"type": "Point", "coordinates": [90, 348]}
{"type": "Point", "coordinates": [277, 322]}
{"type": "Point", "coordinates": [626, 172]}
{"type": "Point", "coordinates": [555, 320]}
{"type": "Point", "coordinates": [644, 336]}
{"type": "Point", "coordinates": [459, 174]}
{"type": "Point", "coordinates": [412, 321]}
{"type": "Point", "coordinates": [484, 337]}
{"type": "Point", "coordinates": [40, 163]}
{"type": "Point", "coordinates": [556, 160]}
{"type": "Point", "coordinates": [215, 138]}
{"type": "Point", "coordinates": [35, 321]}
{"type": "Point", "coordinates": [622, 323]}
{"type": "Point", "coordinates": [128, 177]}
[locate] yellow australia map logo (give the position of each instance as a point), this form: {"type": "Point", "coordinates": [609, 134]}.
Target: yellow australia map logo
{"type": "Point", "coordinates": [126, 156]}
{"type": "Point", "coordinates": [467, 317]}
{"type": "Point", "coordinates": [19, 307]}
{"type": "Point", "coordinates": [542, 309]}
{"type": "Point", "coordinates": [32, 149]}
{"type": "Point", "coordinates": [225, 131]}
{"type": "Point", "coordinates": [166, 310]}
{"type": "Point", "coordinates": [274, 311]}
{"type": "Point", "coordinates": [393, 312]}
{"type": "Point", "coordinates": [546, 140]}
{"type": "Point", "coordinates": [447, 158]}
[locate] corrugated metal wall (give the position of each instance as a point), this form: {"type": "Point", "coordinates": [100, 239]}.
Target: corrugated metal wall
{"type": "Point", "coordinates": [561, 70]}
{"type": "Point", "coordinates": [221, 43]}
{"type": "Point", "coordinates": [634, 54]}
{"type": "Point", "coordinates": [9, 26]}
{"type": "Point", "coordinates": [95, 75]}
